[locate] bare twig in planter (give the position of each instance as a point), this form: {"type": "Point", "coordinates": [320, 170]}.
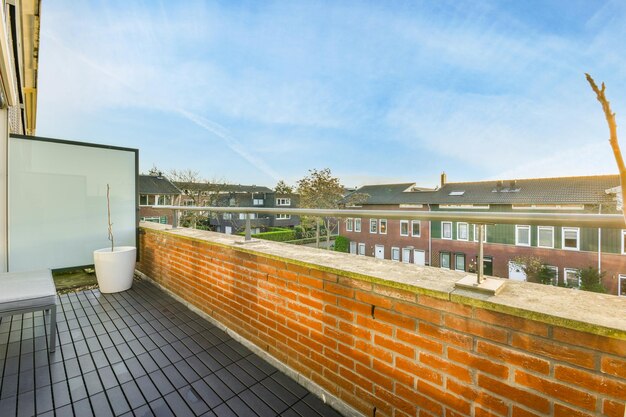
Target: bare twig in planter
{"type": "Point", "coordinates": [109, 217]}
{"type": "Point", "coordinates": [610, 119]}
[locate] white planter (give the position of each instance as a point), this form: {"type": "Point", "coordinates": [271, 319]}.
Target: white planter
{"type": "Point", "coordinates": [115, 270]}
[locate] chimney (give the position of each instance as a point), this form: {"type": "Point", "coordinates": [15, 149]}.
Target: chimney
{"type": "Point", "coordinates": [444, 179]}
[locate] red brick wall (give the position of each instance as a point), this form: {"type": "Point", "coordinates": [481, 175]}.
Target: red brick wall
{"type": "Point", "coordinates": [392, 352]}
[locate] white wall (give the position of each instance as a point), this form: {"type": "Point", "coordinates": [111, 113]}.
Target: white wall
{"type": "Point", "coordinates": [4, 143]}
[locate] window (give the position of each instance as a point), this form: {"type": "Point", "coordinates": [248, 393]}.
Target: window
{"type": "Point", "coordinates": [257, 202]}
{"type": "Point", "coordinates": [457, 193]}
{"type": "Point", "coordinates": [283, 216]}
{"type": "Point", "coordinates": [570, 276]}
{"type": "Point", "coordinates": [349, 225]}
{"type": "Point", "coordinates": [382, 226]}
{"type": "Point", "coordinates": [459, 262]}
{"type": "Point", "coordinates": [476, 233]}
{"type": "Point", "coordinates": [242, 216]}
{"type": "Point", "coordinates": [415, 228]}
{"type": "Point", "coordinates": [444, 260]}
{"type": "Point", "coordinates": [555, 271]}
{"type": "Point", "coordinates": [163, 200]}
{"type": "Point", "coordinates": [624, 245]}
{"type": "Point", "coordinates": [373, 226]}
{"type": "Point", "coordinates": [395, 254]}
{"type": "Point", "coordinates": [227, 216]}
{"type": "Point", "coordinates": [571, 238]}
{"type": "Point", "coordinates": [357, 225]}
{"type": "Point", "coordinates": [545, 237]}
{"type": "Point", "coordinates": [143, 201]}
{"type": "Point", "coordinates": [362, 249]}
{"type": "Point", "coordinates": [404, 227]}
{"type": "Point", "coordinates": [621, 285]}
{"type": "Point", "coordinates": [283, 201]}
{"type": "Point", "coordinates": [446, 231]}
{"type": "Point", "coordinates": [188, 203]}
{"type": "Point", "coordinates": [522, 235]}
{"type": "Point", "coordinates": [462, 231]}
{"type": "Point", "coordinates": [406, 256]}
{"type": "Point", "coordinates": [353, 248]}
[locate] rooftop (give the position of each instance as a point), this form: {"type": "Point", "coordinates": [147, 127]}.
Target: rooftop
{"type": "Point", "coordinates": [138, 352]}
{"type": "Point", "coordinates": [153, 184]}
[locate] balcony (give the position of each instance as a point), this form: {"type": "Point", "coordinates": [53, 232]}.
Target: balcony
{"type": "Point", "coordinates": [139, 353]}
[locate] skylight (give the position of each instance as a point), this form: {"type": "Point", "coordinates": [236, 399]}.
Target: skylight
{"type": "Point", "coordinates": [456, 192]}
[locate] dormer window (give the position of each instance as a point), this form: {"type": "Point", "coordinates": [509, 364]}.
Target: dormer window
{"type": "Point", "coordinates": [456, 193]}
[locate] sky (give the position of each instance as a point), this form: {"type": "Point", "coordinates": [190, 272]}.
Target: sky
{"type": "Point", "coordinates": [255, 92]}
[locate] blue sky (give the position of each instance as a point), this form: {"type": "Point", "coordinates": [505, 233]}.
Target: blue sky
{"type": "Point", "coordinates": [253, 92]}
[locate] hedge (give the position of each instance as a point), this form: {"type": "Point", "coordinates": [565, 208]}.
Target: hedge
{"type": "Point", "coordinates": [342, 244]}
{"type": "Point", "coordinates": [277, 236]}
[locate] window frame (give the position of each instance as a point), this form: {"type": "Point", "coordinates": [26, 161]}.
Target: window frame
{"type": "Point", "coordinates": [419, 226]}
{"type": "Point", "coordinates": [283, 201]}
{"type": "Point", "coordinates": [519, 227]}
{"type": "Point", "coordinates": [442, 230]}
{"type": "Point", "coordinates": [441, 255]}
{"type": "Point", "coordinates": [406, 259]}
{"type": "Point", "coordinates": [623, 235]}
{"type": "Point", "coordinates": [147, 196]}
{"type": "Point", "coordinates": [395, 251]}
{"type": "Point", "coordinates": [380, 226]}
{"type": "Point", "coordinates": [404, 222]}
{"type": "Point", "coordinates": [283, 216]}
{"type": "Point", "coordinates": [621, 290]}
{"type": "Point", "coordinates": [577, 229]}
{"type": "Point", "coordinates": [374, 222]}
{"type": "Point", "coordinates": [475, 231]}
{"type": "Point", "coordinates": [460, 255]}
{"type": "Point", "coordinates": [458, 228]}
{"type": "Point", "coordinates": [539, 229]}
{"type": "Point", "coordinates": [357, 221]}
{"type": "Point", "coordinates": [258, 201]}
{"type": "Point", "coordinates": [359, 247]}
{"type": "Point", "coordinates": [556, 273]}
{"type": "Point", "coordinates": [349, 224]}
{"type": "Point", "coordinates": [565, 271]}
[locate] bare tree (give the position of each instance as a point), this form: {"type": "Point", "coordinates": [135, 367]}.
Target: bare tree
{"type": "Point", "coordinates": [610, 119]}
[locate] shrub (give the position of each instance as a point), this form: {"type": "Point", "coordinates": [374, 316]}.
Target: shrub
{"type": "Point", "coordinates": [591, 279]}
{"type": "Point", "coordinates": [342, 244]}
{"type": "Point", "coordinates": [277, 236]}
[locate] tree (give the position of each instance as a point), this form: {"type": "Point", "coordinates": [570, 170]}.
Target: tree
{"type": "Point", "coordinates": [610, 119]}
{"type": "Point", "coordinates": [282, 188]}
{"type": "Point", "coordinates": [591, 279]}
{"type": "Point", "coordinates": [154, 171]}
{"type": "Point", "coordinates": [535, 269]}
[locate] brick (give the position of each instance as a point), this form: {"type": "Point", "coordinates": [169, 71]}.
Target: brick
{"type": "Point", "coordinates": [553, 350]}
{"type": "Point", "coordinates": [513, 393]}
{"type": "Point", "coordinates": [355, 283]}
{"type": "Point", "coordinates": [419, 400]}
{"type": "Point", "coordinates": [338, 289]}
{"type": "Point", "coordinates": [395, 319]}
{"type": "Point", "coordinates": [441, 365]}
{"type": "Point", "coordinates": [338, 359]}
{"type": "Point", "coordinates": [357, 355]}
{"type": "Point", "coordinates": [357, 379]}
{"type": "Point", "coordinates": [395, 346]}
{"type": "Point", "coordinates": [374, 351]}
{"type": "Point", "coordinates": [563, 411]}
{"type": "Point", "coordinates": [591, 382]}
{"type": "Point", "coordinates": [448, 336]}
{"type": "Point", "coordinates": [373, 299]}
{"type": "Point", "coordinates": [556, 390]}
{"type": "Point", "coordinates": [445, 305]}
{"type": "Point", "coordinates": [396, 401]}
{"type": "Point", "coordinates": [591, 341]}
{"type": "Point", "coordinates": [416, 369]}
{"type": "Point", "coordinates": [472, 361]}
{"type": "Point", "coordinates": [613, 366]}
{"type": "Point", "coordinates": [345, 338]}
{"type": "Point", "coordinates": [521, 412]}
{"type": "Point", "coordinates": [374, 325]}
{"type": "Point", "coordinates": [512, 322]}
{"type": "Point", "coordinates": [478, 397]}
{"type": "Point", "coordinates": [326, 276]}
{"type": "Point", "coordinates": [395, 293]}
{"type": "Point", "coordinates": [511, 357]}
{"type": "Point", "coordinates": [355, 306]}
{"type": "Point", "coordinates": [419, 312]}
{"type": "Point", "coordinates": [481, 412]}
{"type": "Point", "coordinates": [311, 282]}
{"type": "Point", "coordinates": [471, 326]}
{"type": "Point", "coordinates": [355, 330]}
{"type": "Point", "coordinates": [613, 408]}
{"type": "Point", "coordinates": [444, 397]}
{"type": "Point", "coordinates": [419, 341]}
{"type": "Point", "coordinates": [373, 376]}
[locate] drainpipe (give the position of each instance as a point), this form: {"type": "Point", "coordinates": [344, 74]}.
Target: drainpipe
{"type": "Point", "coordinates": [600, 243]}
{"type": "Point", "coordinates": [430, 241]}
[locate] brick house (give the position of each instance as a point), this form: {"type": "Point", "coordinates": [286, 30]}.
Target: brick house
{"type": "Point", "coordinates": [156, 190]}
{"type": "Point", "coordinates": [451, 244]}
{"type": "Point", "coordinates": [237, 195]}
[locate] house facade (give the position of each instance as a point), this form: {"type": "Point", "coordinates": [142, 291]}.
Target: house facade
{"type": "Point", "coordinates": [453, 245]}
{"type": "Point", "coordinates": [237, 195]}
{"type": "Point", "coordinates": [156, 190]}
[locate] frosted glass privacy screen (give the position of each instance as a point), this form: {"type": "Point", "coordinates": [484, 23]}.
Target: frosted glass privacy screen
{"type": "Point", "coordinates": [57, 201]}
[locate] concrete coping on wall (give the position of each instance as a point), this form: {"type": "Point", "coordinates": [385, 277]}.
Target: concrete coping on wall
{"type": "Point", "coordinates": [594, 313]}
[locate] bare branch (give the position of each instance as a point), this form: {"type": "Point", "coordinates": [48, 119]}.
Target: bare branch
{"type": "Point", "coordinates": [109, 217]}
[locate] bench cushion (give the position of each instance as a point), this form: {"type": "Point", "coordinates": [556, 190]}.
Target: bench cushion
{"type": "Point", "coordinates": [26, 290]}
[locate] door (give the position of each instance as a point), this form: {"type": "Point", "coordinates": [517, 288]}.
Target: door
{"type": "Point", "coordinates": [228, 230]}
{"type": "Point", "coordinates": [406, 255]}
{"type": "Point", "coordinates": [488, 265]}
{"type": "Point", "coordinates": [353, 248]}
{"type": "Point", "coordinates": [516, 272]}
{"type": "Point", "coordinates": [419, 257]}
{"type": "Point", "coordinates": [379, 251]}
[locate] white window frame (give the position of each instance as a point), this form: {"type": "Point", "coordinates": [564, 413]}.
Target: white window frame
{"type": "Point", "coordinates": [419, 225]}
{"type": "Point", "coordinates": [406, 255]}
{"type": "Point", "coordinates": [565, 271]}
{"type": "Point", "coordinates": [282, 216]}
{"type": "Point", "coordinates": [353, 248]}
{"type": "Point", "coordinates": [442, 230]}
{"type": "Point", "coordinates": [395, 253]}
{"type": "Point", "coordinates": [621, 289]}
{"type": "Point", "coordinates": [449, 260]}
{"type": "Point", "coordinates": [349, 224]}
{"type": "Point", "coordinates": [577, 229]}
{"type": "Point", "coordinates": [357, 225]}
{"type": "Point", "coordinates": [282, 201]}
{"type": "Point", "coordinates": [460, 255]}
{"type": "Point", "coordinates": [404, 222]}
{"type": "Point", "coordinates": [623, 234]}
{"type": "Point", "coordinates": [380, 226]}
{"type": "Point", "coordinates": [361, 249]}
{"type": "Point", "coordinates": [257, 201]}
{"type": "Point", "coordinates": [374, 222]}
{"type": "Point", "coordinates": [458, 231]}
{"type": "Point", "coordinates": [539, 229]}
{"type": "Point", "coordinates": [476, 233]}
{"type": "Point", "coordinates": [519, 227]}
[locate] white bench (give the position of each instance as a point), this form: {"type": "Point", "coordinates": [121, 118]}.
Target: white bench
{"type": "Point", "coordinates": [25, 292]}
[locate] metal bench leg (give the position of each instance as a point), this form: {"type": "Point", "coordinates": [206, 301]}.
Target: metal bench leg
{"type": "Point", "coordinates": [53, 328]}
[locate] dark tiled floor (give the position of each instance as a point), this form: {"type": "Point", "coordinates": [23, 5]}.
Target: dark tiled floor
{"type": "Point", "coordinates": [139, 353]}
